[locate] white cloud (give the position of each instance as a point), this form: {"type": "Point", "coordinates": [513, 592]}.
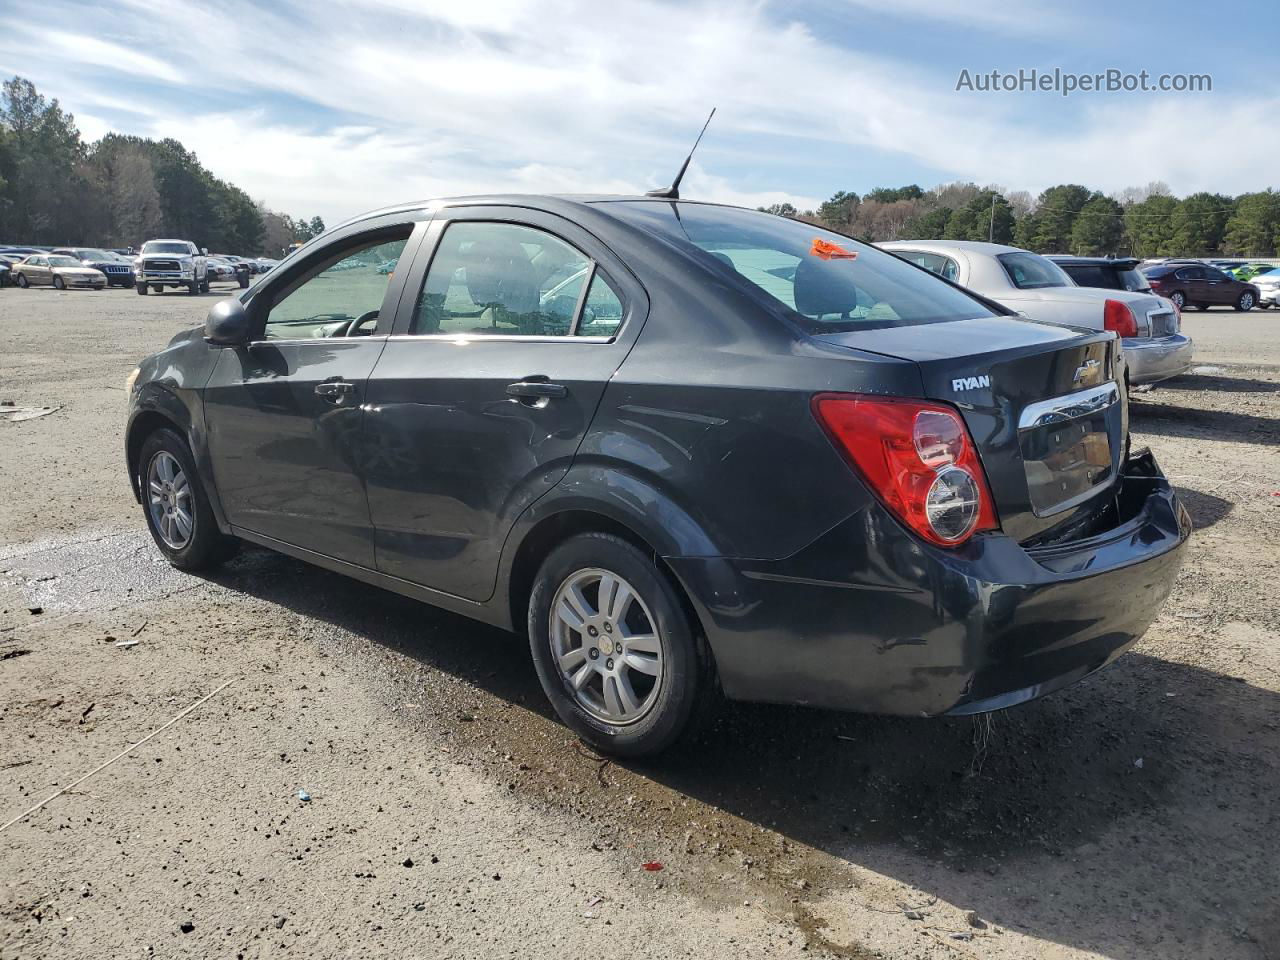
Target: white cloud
{"type": "Point", "coordinates": [998, 16]}
{"type": "Point", "coordinates": [377, 101]}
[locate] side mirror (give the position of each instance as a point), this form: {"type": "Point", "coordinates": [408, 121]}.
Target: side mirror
{"type": "Point", "coordinates": [205, 251]}
{"type": "Point", "coordinates": [227, 324]}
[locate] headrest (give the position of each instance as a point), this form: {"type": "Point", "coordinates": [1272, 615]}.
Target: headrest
{"type": "Point", "coordinates": [499, 274]}
{"type": "Point", "coordinates": [824, 287]}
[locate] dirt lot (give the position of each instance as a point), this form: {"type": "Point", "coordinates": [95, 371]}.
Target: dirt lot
{"type": "Point", "coordinates": [1132, 816]}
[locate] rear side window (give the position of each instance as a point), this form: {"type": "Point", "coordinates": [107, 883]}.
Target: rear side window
{"type": "Point", "coordinates": [1030, 271]}
{"type": "Point", "coordinates": [825, 282]}
{"type": "Point", "coordinates": [933, 262]}
{"type": "Point", "coordinates": [491, 278]}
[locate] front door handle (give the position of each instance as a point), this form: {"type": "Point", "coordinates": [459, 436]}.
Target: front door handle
{"type": "Point", "coordinates": [335, 390]}
{"type": "Point", "coordinates": [537, 390]}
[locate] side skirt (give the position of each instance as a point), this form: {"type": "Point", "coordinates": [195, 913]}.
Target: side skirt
{"type": "Point", "coordinates": [492, 614]}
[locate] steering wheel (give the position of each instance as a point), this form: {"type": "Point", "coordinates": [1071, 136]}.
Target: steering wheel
{"type": "Point", "coordinates": [352, 328]}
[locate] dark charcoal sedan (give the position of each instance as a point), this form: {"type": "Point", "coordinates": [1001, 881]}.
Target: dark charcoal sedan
{"type": "Point", "coordinates": [685, 447]}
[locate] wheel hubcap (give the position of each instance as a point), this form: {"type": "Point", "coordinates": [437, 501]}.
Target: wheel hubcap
{"type": "Point", "coordinates": [169, 500]}
{"type": "Point", "coordinates": [607, 646]}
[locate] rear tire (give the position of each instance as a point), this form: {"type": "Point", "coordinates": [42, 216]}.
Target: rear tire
{"type": "Point", "coordinates": [1246, 302]}
{"type": "Point", "coordinates": [171, 491]}
{"type": "Point", "coordinates": [141, 288]}
{"type": "Point", "coordinates": [1179, 299]}
{"type": "Point", "coordinates": [659, 679]}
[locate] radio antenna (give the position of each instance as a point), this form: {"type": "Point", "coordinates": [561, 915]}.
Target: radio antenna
{"type": "Point", "coordinates": [673, 192]}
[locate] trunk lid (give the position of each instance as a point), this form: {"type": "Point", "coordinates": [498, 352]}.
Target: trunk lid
{"type": "Point", "coordinates": [1043, 404]}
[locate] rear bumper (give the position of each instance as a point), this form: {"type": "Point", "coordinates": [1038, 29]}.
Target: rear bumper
{"type": "Point", "coordinates": [870, 618]}
{"type": "Point", "coordinates": [1152, 360]}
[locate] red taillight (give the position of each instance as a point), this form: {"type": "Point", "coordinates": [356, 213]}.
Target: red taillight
{"type": "Point", "coordinates": [917, 457]}
{"type": "Point", "coordinates": [1117, 316]}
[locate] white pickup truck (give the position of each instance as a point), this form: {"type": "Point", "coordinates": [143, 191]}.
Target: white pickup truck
{"type": "Point", "coordinates": [171, 263]}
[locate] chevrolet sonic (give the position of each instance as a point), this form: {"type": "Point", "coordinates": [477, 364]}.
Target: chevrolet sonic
{"type": "Point", "coordinates": [685, 448]}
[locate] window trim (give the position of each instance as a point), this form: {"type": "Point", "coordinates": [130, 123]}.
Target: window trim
{"type": "Point", "coordinates": [266, 299]}
{"type": "Point", "coordinates": [440, 226]}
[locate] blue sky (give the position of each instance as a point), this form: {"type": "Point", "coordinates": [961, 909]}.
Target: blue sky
{"type": "Point", "coordinates": [336, 107]}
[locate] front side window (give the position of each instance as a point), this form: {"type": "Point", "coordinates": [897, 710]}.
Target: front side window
{"type": "Point", "coordinates": [341, 296]}
{"type": "Point", "coordinates": [491, 278]}
{"type": "Point", "coordinates": [825, 282]}
{"type": "Point", "coordinates": [1030, 271]}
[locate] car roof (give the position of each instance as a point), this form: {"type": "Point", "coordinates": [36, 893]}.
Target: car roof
{"type": "Point", "coordinates": [548, 202]}
{"type": "Point", "coordinates": [969, 246]}
{"type": "Point", "coordinates": [1124, 263]}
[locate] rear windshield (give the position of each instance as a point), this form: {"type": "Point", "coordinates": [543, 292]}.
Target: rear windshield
{"type": "Point", "coordinates": [825, 282]}
{"type": "Point", "coordinates": [1030, 271]}
{"type": "Point", "coordinates": [1101, 275]}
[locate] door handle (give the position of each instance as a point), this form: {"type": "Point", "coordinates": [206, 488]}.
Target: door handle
{"type": "Point", "coordinates": [537, 390]}
{"type": "Point", "coordinates": [335, 389]}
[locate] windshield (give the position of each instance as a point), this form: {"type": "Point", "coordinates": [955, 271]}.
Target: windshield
{"type": "Point", "coordinates": [1030, 271]}
{"type": "Point", "coordinates": [63, 262]}
{"type": "Point", "coordinates": [826, 283]}
{"type": "Point", "coordinates": [89, 253]}
{"type": "Point", "coordinates": [165, 246]}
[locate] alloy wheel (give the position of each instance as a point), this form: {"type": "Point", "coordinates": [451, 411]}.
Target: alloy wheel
{"type": "Point", "coordinates": [169, 500]}
{"type": "Point", "coordinates": [606, 645]}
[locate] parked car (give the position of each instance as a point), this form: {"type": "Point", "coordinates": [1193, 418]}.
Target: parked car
{"type": "Point", "coordinates": [171, 263]}
{"type": "Point", "coordinates": [118, 274]}
{"type": "Point", "coordinates": [5, 279]}
{"type": "Point", "coordinates": [759, 457]}
{"type": "Point", "coordinates": [1268, 284]}
{"type": "Point", "coordinates": [242, 269]}
{"type": "Point", "coordinates": [266, 264]}
{"type": "Point", "coordinates": [1201, 286]}
{"type": "Point", "coordinates": [8, 261]}
{"type": "Point", "coordinates": [218, 269]}
{"type": "Point", "coordinates": [56, 270]}
{"type": "Point", "coordinates": [1105, 273]}
{"type": "Point", "coordinates": [1154, 347]}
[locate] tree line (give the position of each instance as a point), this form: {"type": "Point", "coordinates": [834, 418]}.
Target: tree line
{"type": "Point", "coordinates": [1068, 218]}
{"type": "Point", "coordinates": [121, 190]}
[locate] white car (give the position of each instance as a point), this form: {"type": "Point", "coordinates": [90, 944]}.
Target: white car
{"type": "Point", "coordinates": [1268, 285]}
{"type": "Point", "coordinates": [171, 263]}
{"type": "Point", "coordinates": [1149, 325]}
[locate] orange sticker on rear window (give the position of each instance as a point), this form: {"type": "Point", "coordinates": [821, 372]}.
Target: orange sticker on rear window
{"type": "Point", "coordinates": [826, 250]}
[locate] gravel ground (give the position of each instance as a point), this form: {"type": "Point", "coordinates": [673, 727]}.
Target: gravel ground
{"type": "Point", "coordinates": [1131, 816]}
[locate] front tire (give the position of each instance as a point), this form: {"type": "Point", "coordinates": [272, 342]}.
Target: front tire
{"type": "Point", "coordinates": [1246, 302]}
{"type": "Point", "coordinates": [635, 698]}
{"type": "Point", "coordinates": [176, 507]}
{"type": "Point", "coordinates": [59, 283]}
{"type": "Point", "coordinates": [193, 287]}
{"type": "Point", "coordinates": [141, 288]}
{"type": "Point", "coordinates": [23, 282]}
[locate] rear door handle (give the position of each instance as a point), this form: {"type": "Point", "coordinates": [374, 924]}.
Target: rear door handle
{"type": "Point", "coordinates": [537, 389]}
{"type": "Point", "coordinates": [335, 389]}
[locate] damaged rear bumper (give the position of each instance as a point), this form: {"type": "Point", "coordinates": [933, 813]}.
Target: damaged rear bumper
{"type": "Point", "coordinates": [870, 618]}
